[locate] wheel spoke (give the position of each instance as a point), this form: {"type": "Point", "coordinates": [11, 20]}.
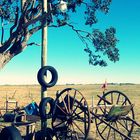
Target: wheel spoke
{"type": "Point", "coordinates": [68, 101]}
{"type": "Point", "coordinates": [122, 125]}
{"type": "Point", "coordinates": [109, 133]}
{"type": "Point", "coordinates": [100, 120]}
{"type": "Point", "coordinates": [118, 129]}
{"type": "Point", "coordinates": [73, 100]}
{"type": "Point", "coordinates": [104, 129]}
{"type": "Point", "coordinates": [61, 109]}
{"type": "Point", "coordinates": [84, 119]}
{"type": "Point", "coordinates": [77, 115]}
{"type": "Point", "coordinates": [77, 105]}
{"type": "Point", "coordinates": [70, 127]}
{"type": "Point", "coordinates": [65, 104]}
{"type": "Point", "coordinates": [59, 124]}
{"type": "Point", "coordinates": [114, 131]}
{"type": "Point", "coordinates": [124, 102]}
{"type": "Point", "coordinates": [112, 98]}
{"type": "Point", "coordinates": [125, 122]}
{"type": "Point", "coordinates": [78, 128]}
{"type": "Point", "coordinates": [76, 134]}
{"type": "Point", "coordinates": [118, 98]}
{"type": "Point", "coordinates": [100, 123]}
{"type": "Point", "coordinates": [80, 119]}
{"type": "Point", "coordinates": [114, 135]}
{"type": "Point", "coordinates": [101, 109]}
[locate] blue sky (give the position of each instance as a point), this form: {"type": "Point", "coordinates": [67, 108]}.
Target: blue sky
{"type": "Point", "coordinates": [65, 52]}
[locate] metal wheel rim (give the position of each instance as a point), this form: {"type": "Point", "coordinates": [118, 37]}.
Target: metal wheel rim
{"type": "Point", "coordinates": [71, 108]}
{"type": "Point", "coordinates": [131, 113]}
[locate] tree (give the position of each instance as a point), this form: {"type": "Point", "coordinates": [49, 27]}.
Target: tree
{"type": "Point", "coordinates": [24, 23]}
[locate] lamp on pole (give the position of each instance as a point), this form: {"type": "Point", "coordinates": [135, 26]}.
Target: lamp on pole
{"type": "Point", "coordinates": [62, 6]}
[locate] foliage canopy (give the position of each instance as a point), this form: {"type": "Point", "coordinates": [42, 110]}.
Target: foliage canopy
{"type": "Point", "coordinates": [25, 21]}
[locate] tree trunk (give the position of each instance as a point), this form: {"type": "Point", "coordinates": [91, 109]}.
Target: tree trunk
{"type": "Point", "coordinates": [4, 59]}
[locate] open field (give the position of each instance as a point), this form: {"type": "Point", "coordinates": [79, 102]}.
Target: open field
{"type": "Point", "coordinates": [26, 94]}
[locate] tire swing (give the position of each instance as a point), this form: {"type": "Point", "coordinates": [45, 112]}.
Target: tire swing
{"type": "Point", "coordinates": [43, 108]}
{"type": "Point", "coordinates": [10, 133]}
{"type": "Point", "coordinates": [45, 134]}
{"type": "Point", "coordinates": [42, 74]}
{"type": "Point", "coordinates": [47, 102]}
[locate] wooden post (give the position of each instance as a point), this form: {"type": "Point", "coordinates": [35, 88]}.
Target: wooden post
{"type": "Point", "coordinates": [44, 47]}
{"type": "Point", "coordinates": [44, 56]}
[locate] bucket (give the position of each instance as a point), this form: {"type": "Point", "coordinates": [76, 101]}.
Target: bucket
{"type": "Point", "coordinates": [32, 109]}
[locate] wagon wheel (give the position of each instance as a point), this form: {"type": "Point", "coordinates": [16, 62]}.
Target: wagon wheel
{"type": "Point", "coordinates": [122, 124]}
{"type": "Point", "coordinates": [71, 116]}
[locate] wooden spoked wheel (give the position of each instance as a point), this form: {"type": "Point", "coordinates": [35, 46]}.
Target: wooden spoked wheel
{"type": "Point", "coordinates": [122, 123]}
{"type": "Point", "coordinates": [71, 116]}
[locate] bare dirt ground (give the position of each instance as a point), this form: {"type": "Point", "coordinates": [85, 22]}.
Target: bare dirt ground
{"type": "Point", "coordinates": [27, 93]}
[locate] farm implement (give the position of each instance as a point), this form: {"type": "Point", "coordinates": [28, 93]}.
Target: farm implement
{"type": "Point", "coordinates": [71, 118]}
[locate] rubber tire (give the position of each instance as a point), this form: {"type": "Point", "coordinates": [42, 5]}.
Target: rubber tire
{"type": "Point", "coordinates": [49, 133]}
{"type": "Point", "coordinates": [42, 109]}
{"type": "Point", "coordinates": [43, 134]}
{"type": "Point", "coordinates": [39, 135]}
{"type": "Point", "coordinates": [11, 133]}
{"type": "Point", "coordinates": [42, 72]}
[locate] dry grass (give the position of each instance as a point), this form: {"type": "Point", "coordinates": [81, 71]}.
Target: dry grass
{"type": "Point", "coordinates": [26, 94]}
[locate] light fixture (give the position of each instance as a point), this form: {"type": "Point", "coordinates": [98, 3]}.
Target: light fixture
{"type": "Point", "coordinates": [62, 6]}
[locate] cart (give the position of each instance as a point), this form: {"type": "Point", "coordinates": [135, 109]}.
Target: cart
{"type": "Point", "coordinates": [71, 116]}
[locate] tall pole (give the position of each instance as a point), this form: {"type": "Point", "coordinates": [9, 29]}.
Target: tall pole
{"type": "Point", "coordinates": [44, 56]}
{"type": "Point", "coordinates": [43, 49]}
{"type": "Point", "coordinates": [44, 46]}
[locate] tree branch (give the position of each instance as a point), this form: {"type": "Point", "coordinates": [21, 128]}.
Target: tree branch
{"type": "Point", "coordinates": [35, 29]}
{"type": "Point", "coordinates": [2, 30]}
{"type": "Point", "coordinates": [39, 18]}
{"type": "Point", "coordinates": [16, 21]}
{"type": "Point", "coordinates": [33, 43]}
{"type": "Point", "coordinates": [82, 37]}
{"type": "Point", "coordinates": [7, 43]}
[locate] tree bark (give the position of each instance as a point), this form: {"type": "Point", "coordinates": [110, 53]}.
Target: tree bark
{"type": "Point", "coordinates": [4, 59]}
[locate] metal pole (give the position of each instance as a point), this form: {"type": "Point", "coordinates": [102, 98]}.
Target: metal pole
{"type": "Point", "coordinates": [44, 56]}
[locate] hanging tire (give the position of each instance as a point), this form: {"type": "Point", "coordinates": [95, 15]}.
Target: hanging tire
{"type": "Point", "coordinates": [42, 73]}
{"type": "Point", "coordinates": [42, 108]}
{"type": "Point", "coordinates": [39, 135]}
{"type": "Point", "coordinates": [10, 133]}
{"type": "Point", "coordinates": [50, 134]}
{"type": "Point", "coordinates": [45, 134]}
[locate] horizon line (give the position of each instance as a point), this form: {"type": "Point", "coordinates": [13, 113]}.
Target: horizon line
{"type": "Point", "coordinates": [110, 83]}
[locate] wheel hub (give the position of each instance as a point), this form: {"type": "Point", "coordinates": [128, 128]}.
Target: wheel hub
{"type": "Point", "coordinates": [69, 119]}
